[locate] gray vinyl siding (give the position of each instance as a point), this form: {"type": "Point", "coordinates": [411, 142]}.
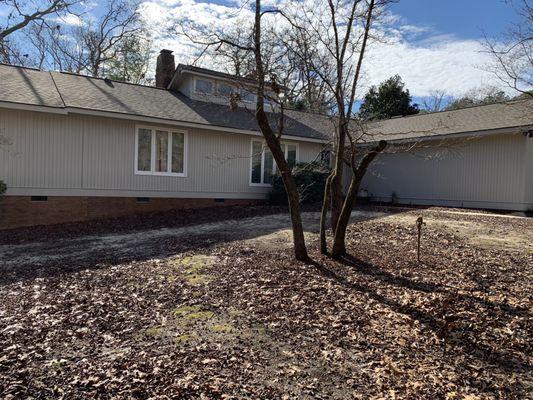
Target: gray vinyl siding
{"type": "Point", "coordinates": [484, 172]}
{"type": "Point", "coordinates": [528, 174]}
{"type": "Point", "coordinates": [85, 155]}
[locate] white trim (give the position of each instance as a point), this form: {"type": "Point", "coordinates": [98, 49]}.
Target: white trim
{"type": "Point", "coordinates": [275, 165]}
{"type": "Point", "coordinates": [152, 171]}
{"type": "Point", "coordinates": [145, 119]}
{"type": "Point", "coordinates": [30, 107]}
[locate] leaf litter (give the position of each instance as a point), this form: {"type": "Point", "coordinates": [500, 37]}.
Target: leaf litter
{"type": "Point", "coordinates": [376, 325]}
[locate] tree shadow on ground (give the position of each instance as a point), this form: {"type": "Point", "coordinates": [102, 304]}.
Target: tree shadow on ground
{"type": "Point", "coordinates": [57, 258]}
{"type": "Point", "coordinates": [435, 322]}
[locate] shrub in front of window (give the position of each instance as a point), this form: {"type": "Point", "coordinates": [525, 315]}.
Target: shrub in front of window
{"type": "Point", "coordinates": [3, 187]}
{"type": "Point", "coordinates": [310, 178]}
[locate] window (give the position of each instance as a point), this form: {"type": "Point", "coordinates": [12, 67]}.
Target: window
{"type": "Point", "coordinates": [263, 167]}
{"type": "Point", "coordinates": [247, 96]}
{"type": "Point", "coordinates": [325, 157]}
{"type": "Point", "coordinates": [224, 89]}
{"type": "Point", "coordinates": [160, 151]}
{"type": "Point", "coordinates": [203, 86]}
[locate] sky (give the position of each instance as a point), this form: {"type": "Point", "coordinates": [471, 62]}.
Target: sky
{"type": "Point", "coordinates": [437, 45]}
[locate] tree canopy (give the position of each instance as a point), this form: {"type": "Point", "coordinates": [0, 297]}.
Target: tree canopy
{"type": "Point", "coordinates": [479, 97]}
{"type": "Point", "coordinates": [389, 99]}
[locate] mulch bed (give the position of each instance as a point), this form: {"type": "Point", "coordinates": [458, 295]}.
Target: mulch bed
{"type": "Point", "coordinates": [138, 222]}
{"type": "Point", "coordinates": [255, 324]}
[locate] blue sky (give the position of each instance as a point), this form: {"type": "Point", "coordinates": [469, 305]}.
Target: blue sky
{"type": "Point", "coordinates": [465, 19]}
{"type": "Point", "coordinates": [437, 46]}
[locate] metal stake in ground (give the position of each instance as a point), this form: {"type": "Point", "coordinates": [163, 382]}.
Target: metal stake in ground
{"type": "Point", "coordinates": [419, 223]}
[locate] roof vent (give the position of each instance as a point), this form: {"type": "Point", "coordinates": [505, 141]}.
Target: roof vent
{"type": "Point", "coordinates": [108, 82]}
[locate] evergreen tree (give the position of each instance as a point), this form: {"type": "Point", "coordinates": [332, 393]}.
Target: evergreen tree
{"type": "Point", "coordinates": [388, 100]}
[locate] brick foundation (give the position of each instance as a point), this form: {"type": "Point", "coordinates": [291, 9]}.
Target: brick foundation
{"type": "Point", "coordinates": [19, 211]}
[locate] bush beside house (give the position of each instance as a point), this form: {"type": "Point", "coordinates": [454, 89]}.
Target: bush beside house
{"type": "Point", "coordinates": [310, 178]}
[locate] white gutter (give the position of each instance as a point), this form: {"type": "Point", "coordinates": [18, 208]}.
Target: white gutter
{"type": "Point", "coordinates": [30, 107]}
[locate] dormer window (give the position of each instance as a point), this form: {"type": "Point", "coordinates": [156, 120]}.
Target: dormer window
{"type": "Point", "coordinates": [247, 96]}
{"type": "Point", "coordinates": [203, 86]}
{"type": "Point", "coordinates": [225, 90]}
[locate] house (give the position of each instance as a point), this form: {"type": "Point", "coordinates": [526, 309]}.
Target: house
{"type": "Point", "coordinates": [75, 148]}
{"type": "Point", "coordinates": [478, 157]}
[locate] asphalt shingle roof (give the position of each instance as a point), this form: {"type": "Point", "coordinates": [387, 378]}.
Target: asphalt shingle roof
{"type": "Point", "coordinates": [28, 86]}
{"type": "Point", "coordinates": [466, 120]}
{"type": "Point", "coordinates": [64, 90]}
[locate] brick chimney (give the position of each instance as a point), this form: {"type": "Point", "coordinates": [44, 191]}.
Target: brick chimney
{"type": "Point", "coordinates": [164, 69]}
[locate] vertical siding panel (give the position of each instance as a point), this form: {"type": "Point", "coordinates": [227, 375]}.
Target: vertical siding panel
{"type": "Point", "coordinates": [487, 169]}
{"type": "Point", "coordinates": [83, 152]}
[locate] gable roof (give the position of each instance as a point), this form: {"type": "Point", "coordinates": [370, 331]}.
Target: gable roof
{"type": "Point", "coordinates": [66, 91]}
{"type": "Point", "coordinates": [181, 68]}
{"type": "Point", "coordinates": [484, 118]}
{"type": "Point", "coordinates": [72, 91]}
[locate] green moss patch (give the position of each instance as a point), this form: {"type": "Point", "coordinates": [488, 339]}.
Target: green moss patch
{"type": "Point", "coordinates": [193, 267]}
{"type": "Point", "coordinates": [193, 312]}
{"type": "Point", "coordinates": [223, 328]}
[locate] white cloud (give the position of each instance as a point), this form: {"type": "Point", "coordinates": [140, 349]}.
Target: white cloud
{"type": "Point", "coordinates": [69, 19]}
{"type": "Point", "coordinates": [450, 65]}
{"type": "Point", "coordinates": [438, 62]}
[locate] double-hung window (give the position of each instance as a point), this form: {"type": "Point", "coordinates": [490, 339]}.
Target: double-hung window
{"type": "Point", "coordinates": [263, 166]}
{"type": "Point", "coordinates": [160, 151]}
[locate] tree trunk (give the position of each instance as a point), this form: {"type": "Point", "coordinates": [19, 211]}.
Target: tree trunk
{"type": "Point", "coordinates": [339, 241]}
{"type": "Point", "coordinates": [336, 181]}
{"type": "Point", "coordinates": [300, 251]}
{"type": "Point", "coordinates": [326, 204]}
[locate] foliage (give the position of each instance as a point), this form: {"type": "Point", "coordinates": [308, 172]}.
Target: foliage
{"type": "Point", "coordinates": [310, 179]}
{"type": "Point", "coordinates": [479, 97]}
{"type": "Point", "coordinates": [388, 100]}
{"type": "Point", "coordinates": [131, 61]}
{"type": "Point", "coordinates": [3, 187]}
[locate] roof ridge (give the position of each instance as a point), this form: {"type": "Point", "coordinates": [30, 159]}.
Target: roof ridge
{"type": "Point", "coordinates": [58, 91]}
{"type": "Point", "coordinates": [105, 78]}
{"type": "Point", "coordinates": [21, 67]}
{"type": "Point", "coordinates": [458, 109]}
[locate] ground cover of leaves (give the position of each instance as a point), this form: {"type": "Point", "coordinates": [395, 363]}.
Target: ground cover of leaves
{"type": "Point", "coordinates": [236, 320]}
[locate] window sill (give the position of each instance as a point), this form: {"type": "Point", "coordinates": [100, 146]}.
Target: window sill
{"type": "Point", "coordinates": [261, 184]}
{"type": "Point", "coordinates": [174, 174]}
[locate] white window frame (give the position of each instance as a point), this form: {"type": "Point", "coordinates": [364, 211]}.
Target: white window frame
{"type": "Point", "coordinates": [275, 167]}
{"type": "Point", "coordinates": [205, 93]}
{"type": "Point", "coordinates": [152, 171]}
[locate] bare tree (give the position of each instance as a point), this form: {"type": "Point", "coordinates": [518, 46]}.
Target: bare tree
{"type": "Point", "coordinates": [23, 14]}
{"type": "Point", "coordinates": [436, 101]}
{"type": "Point", "coordinates": [100, 40]}
{"type": "Point", "coordinates": [340, 35]}
{"type": "Point", "coordinates": [267, 65]}
{"type": "Point", "coordinates": [26, 14]}
{"type": "Point", "coordinates": [513, 53]}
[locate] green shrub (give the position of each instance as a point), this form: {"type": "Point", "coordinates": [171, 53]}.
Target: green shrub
{"type": "Point", "coordinates": [309, 178]}
{"type": "Point", "coordinates": [3, 187]}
